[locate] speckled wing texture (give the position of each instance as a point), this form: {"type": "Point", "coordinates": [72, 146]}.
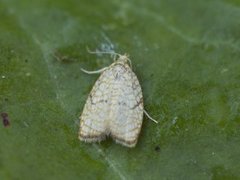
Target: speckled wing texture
{"type": "Point", "coordinates": [114, 107]}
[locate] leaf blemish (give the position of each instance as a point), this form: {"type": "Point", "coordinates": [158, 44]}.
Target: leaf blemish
{"type": "Point", "coordinates": [62, 58]}
{"type": "Point", "coordinates": [5, 118]}
{"type": "Point", "coordinates": [157, 148]}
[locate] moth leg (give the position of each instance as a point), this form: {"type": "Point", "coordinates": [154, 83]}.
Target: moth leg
{"type": "Point", "coordinates": [145, 112]}
{"type": "Point", "coordinates": [94, 72]}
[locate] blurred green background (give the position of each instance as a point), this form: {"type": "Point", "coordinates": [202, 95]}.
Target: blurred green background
{"type": "Point", "coordinates": [186, 55]}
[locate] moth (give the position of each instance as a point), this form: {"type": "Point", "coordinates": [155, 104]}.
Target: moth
{"type": "Point", "coordinates": [114, 106]}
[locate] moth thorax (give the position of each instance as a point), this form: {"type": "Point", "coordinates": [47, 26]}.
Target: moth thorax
{"type": "Point", "coordinates": [123, 58]}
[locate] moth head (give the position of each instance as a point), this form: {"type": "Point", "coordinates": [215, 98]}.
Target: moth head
{"type": "Point", "coordinates": [124, 59]}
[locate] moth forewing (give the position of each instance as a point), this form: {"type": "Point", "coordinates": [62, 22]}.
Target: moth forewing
{"type": "Point", "coordinates": [114, 106]}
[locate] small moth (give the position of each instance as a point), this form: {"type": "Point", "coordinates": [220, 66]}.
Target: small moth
{"type": "Point", "coordinates": [115, 105]}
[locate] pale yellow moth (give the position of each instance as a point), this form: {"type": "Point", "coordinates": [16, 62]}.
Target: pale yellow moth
{"type": "Point", "coordinates": [115, 105]}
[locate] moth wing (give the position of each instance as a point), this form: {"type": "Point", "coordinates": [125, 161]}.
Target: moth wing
{"type": "Point", "coordinates": [127, 116]}
{"type": "Point", "coordinates": [94, 118]}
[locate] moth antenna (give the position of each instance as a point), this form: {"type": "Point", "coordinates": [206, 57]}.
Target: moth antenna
{"type": "Point", "coordinates": [93, 72]}
{"type": "Point", "coordinates": [145, 112]}
{"type": "Point", "coordinates": [102, 52]}
{"type": "Point", "coordinates": [111, 53]}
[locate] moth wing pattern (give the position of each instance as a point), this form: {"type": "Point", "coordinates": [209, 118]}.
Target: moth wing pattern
{"type": "Point", "coordinates": [127, 111]}
{"type": "Point", "coordinates": [93, 120]}
{"type": "Point", "coordinates": [114, 107]}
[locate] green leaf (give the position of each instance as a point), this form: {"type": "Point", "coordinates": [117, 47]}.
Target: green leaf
{"type": "Point", "coordinates": [186, 55]}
